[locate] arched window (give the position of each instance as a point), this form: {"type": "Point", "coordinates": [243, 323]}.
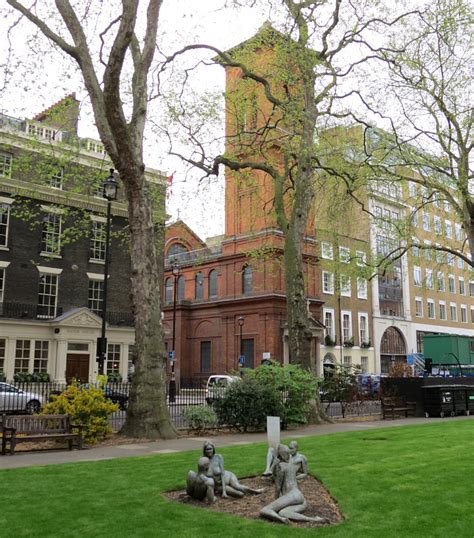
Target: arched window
{"type": "Point", "coordinates": [169, 290]}
{"type": "Point", "coordinates": [199, 286]}
{"type": "Point", "coordinates": [181, 288]}
{"type": "Point", "coordinates": [247, 280]}
{"type": "Point", "coordinates": [213, 283]}
{"type": "Point", "coordinates": [175, 249]}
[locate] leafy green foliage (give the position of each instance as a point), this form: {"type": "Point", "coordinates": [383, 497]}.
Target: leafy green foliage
{"type": "Point", "coordinates": [114, 377]}
{"type": "Point", "coordinates": [35, 377]}
{"type": "Point", "coordinates": [247, 403]}
{"type": "Point", "coordinates": [88, 406]}
{"type": "Point", "coordinates": [200, 417]}
{"type": "Point", "coordinates": [295, 387]}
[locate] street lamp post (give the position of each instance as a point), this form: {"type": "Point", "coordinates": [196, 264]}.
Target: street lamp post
{"type": "Point", "coordinates": [110, 187]}
{"type": "Point", "coordinates": [172, 390]}
{"type": "Point", "coordinates": [240, 321]}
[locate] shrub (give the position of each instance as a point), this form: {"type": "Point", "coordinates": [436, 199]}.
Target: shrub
{"type": "Point", "coordinates": [247, 403]}
{"type": "Point", "coordinates": [114, 377]}
{"type": "Point", "coordinates": [200, 417]}
{"type": "Point", "coordinates": [88, 406]}
{"type": "Point", "coordinates": [35, 377]}
{"type": "Point", "coordinates": [328, 341]}
{"type": "Point", "coordinates": [295, 387]}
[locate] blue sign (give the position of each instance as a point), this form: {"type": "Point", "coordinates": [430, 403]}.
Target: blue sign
{"type": "Point", "coordinates": [411, 360]}
{"type": "Point", "coordinates": [171, 355]}
{"type": "Point", "coordinates": [242, 360]}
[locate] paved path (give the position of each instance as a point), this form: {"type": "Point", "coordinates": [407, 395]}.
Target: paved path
{"type": "Point", "coordinates": [48, 457]}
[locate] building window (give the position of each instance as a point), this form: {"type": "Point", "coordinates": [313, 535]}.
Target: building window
{"type": "Point", "coordinates": [446, 206]}
{"type": "Point", "coordinates": [431, 309]}
{"type": "Point", "coordinates": [247, 280]}
{"type": "Point", "coordinates": [440, 281]}
{"type": "Point", "coordinates": [449, 229]}
{"type": "Point", "coordinates": [427, 251]}
{"type": "Point", "coordinates": [22, 356]}
{"type": "Point", "coordinates": [344, 254]}
{"type": "Point", "coordinates": [3, 348]}
{"type": "Point", "coordinates": [6, 160]}
{"type": "Point", "coordinates": [330, 329]}
{"type": "Point", "coordinates": [453, 311]}
{"type": "Point", "coordinates": [426, 222]}
{"type": "Point", "coordinates": [471, 288]}
{"type": "Point", "coordinates": [451, 284]}
{"type": "Point", "coordinates": [328, 282]}
{"type": "Point", "coordinates": [96, 296]}
{"type": "Point", "coordinates": [199, 284]}
{"type": "Point", "coordinates": [460, 263]}
{"type": "Point", "coordinates": [2, 283]}
{"type": "Point", "coordinates": [462, 287]}
{"type": "Point", "coordinates": [450, 259]}
{"type": "Point", "coordinates": [416, 276]}
{"type": "Point", "coordinates": [364, 364]}
{"type": "Point", "coordinates": [442, 310]}
{"type": "Point", "coordinates": [327, 251]}
{"type": "Point", "coordinates": [472, 314]}
{"type": "Point", "coordinates": [437, 225]}
{"type": "Point", "coordinates": [361, 257]}
{"type": "Point", "coordinates": [463, 313]}
{"type": "Point", "coordinates": [97, 241]}
{"type": "Point", "coordinates": [458, 232]}
{"type": "Point", "coordinates": [175, 250]}
{"type": "Point", "coordinates": [345, 284]}
{"type": "Point", "coordinates": [51, 234]}
{"type": "Point", "coordinates": [47, 295]}
{"type": "Point", "coordinates": [361, 288]}
{"type": "Point", "coordinates": [363, 329]}
{"type": "Point", "coordinates": [429, 279]}
{"type": "Point", "coordinates": [347, 361]}
{"type": "Point", "coordinates": [213, 283]}
{"type": "Point", "coordinates": [131, 361]}
{"type": "Point", "coordinates": [56, 180]}
{"type": "Point", "coordinates": [181, 286]}
{"type": "Point", "coordinates": [205, 356]}
{"type": "Point", "coordinates": [169, 290]}
{"type": "Point", "coordinates": [346, 326]}
{"type": "Point", "coordinates": [418, 307]}
{"type": "Point", "coordinates": [40, 363]}
{"type": "Point", "coordinates": [4, 223]}
{"type": "Point", "coordinates": [113, 359]}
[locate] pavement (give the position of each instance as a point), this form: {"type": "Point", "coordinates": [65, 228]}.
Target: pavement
{"type": "Point", "coordinates": [183, 443]}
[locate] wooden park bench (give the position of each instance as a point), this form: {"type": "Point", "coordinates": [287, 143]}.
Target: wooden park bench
{"type": "Point", "coordinates": [397, 406]}
{"type": "Point", "coordinates": [21, 428]}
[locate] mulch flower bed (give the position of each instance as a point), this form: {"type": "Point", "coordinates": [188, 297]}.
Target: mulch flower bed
{"type": "Point", "coordinates": [320, 502]}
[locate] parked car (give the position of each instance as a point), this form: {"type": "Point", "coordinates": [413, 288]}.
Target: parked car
{"type": "Point", "coordinates": [217, 385]}
{"type": "Point", "coordinates": [116, 396]}
{"type": "Point", "coordinates": [14, 399]}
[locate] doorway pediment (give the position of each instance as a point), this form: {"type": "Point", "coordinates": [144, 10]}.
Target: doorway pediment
{"type": "Point", "coordinates": [79, 317]}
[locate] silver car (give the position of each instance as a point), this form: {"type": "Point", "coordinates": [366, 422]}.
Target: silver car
{"type": "Point", "coordinates": [13, 399]}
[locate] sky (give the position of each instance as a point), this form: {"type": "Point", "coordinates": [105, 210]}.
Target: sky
{"type": "Point", "coordinates": [38, 77]}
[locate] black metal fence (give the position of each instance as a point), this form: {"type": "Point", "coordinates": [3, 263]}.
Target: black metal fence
{"type": "Point", "coordinates": [31, 397]}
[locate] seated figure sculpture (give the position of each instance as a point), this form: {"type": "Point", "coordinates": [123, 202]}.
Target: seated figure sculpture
{"type": "Point", "coordinates": [225, 482]}
{"type": "Point", "coordinates": [289, 501]}
{"type": "Point", "coordinates": [198, 485]}
{"type": "Point", "coordinates": [295, 457]}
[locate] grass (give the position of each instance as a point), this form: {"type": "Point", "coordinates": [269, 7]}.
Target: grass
{"type": "Point", "coordinates": [395, 482]}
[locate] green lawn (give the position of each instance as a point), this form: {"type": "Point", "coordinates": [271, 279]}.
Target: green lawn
{"type": "Point", "coordinates": [407, 481]}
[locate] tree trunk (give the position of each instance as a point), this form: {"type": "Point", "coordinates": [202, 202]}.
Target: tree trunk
{"type": "Point", "coordinates": [147, 415]}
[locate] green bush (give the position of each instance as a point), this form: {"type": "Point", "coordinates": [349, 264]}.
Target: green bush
{"type": "Point", "coordinates": [114, 377]}
{"type": "Point", "coordinates": [247, 403]}
{"type": "Point", "coordinates": [296, 388]}
{"type": "Point", "coordinates": [88, 406]}
{"type": "Point", "coordinates": [35, 377]}
{"type": "Point", "coordinates": [200, 417]}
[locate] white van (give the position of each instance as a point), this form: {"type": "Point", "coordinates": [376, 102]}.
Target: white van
{"type": "Point", "coordinates": [216, 386]}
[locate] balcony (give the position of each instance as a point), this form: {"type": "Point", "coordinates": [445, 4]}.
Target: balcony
{"type": "Point", "coordinates": [30, 311]}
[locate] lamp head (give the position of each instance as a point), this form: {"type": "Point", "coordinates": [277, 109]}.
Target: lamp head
{"type": "Point", "coordinates": [175, 269]}
{"type": "Point", "coordinates": [110, 187]}
{"type": "Point", "coordinates": [241, 320]}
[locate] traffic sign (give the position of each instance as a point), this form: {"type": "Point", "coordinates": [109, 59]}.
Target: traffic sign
{"type": "Point", "coordinates": [171, 355]}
